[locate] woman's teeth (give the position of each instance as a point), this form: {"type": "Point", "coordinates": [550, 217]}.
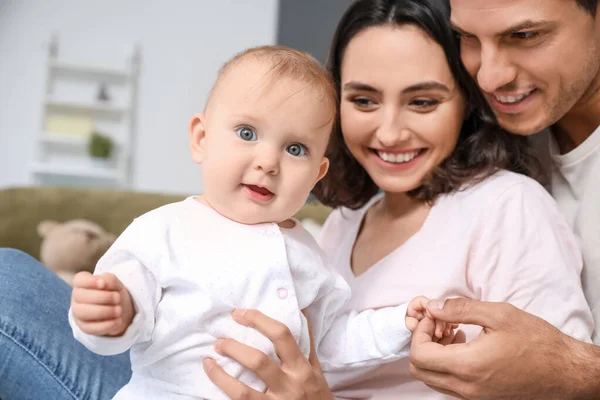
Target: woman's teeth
{"type": "Point", "coordinates": [398, 157]}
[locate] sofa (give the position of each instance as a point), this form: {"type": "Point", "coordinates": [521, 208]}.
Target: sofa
{"type": "Point", "coordinates": [22, 208]}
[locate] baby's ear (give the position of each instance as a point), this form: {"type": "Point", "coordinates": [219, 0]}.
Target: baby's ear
{"type": "Point", "coordinates": [197, 136]}
{"type": "Point", "coordinates": [323, 168]}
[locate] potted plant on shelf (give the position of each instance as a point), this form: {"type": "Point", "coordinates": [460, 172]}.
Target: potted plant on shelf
{"type": "Point", "coordinates": [100, 147]}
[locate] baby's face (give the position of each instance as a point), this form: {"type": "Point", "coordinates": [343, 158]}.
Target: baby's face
{"type": "Point", "coordinates": [264, 144]}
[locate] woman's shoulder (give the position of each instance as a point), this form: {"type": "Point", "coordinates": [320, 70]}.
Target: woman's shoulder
{"type": "Point", "coordinates": [342, 220]}
{"type": "Point", "coordinates": [343, 216]}
{"type": "Point", "coordinates": [502, 185]}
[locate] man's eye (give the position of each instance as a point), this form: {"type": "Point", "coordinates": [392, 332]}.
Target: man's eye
{"type": "Point", "coordinates": [246, 133]}
{"type": "Point", "coordinates": [296, 149]}
{"type": "Point", "coordinates": [465, 36]}
{"type": "Point", "coordinates": [524, 35]}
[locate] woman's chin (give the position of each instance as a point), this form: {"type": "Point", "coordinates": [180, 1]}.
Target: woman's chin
{"type": "Point", "coordinates": [394, 186]}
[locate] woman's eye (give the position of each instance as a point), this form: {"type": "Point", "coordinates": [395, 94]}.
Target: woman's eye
{"type": "Point", "coordinates": [296, 149]}
{"type": "Point", "coordinates": [424, 103]}
{"type": "Point", "coordinates": [246, 133]}
{"type": "Point", "coordinates": [363, 102]}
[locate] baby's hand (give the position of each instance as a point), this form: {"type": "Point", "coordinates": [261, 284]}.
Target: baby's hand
{"type": "Point", "coordinates": [417, 310]}
{"type": "Point", "coordinates": [101, 305]}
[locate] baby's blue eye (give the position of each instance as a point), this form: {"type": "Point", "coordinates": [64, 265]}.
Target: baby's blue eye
{"type": "Point", "coordinates": [246, 134]}
{"type": "Point", "coordinates": [296, 149]}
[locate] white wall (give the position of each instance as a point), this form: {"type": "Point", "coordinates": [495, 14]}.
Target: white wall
{"type": "Point", "coordinates": [184, 42]}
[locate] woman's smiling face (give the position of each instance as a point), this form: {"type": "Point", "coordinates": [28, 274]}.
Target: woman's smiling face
{"type": "Point", "coordinates": [401, 108]}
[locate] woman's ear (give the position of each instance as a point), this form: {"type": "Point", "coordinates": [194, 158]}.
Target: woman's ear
{"type": "Point", "coordinates": [197, 136]}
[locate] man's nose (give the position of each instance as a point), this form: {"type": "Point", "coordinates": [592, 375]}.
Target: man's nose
{"type": "Point", "coordinates": [495, 70]}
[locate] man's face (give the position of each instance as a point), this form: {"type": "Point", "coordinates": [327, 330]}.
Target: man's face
{"type": "Point", "coordinates": [535, 60]}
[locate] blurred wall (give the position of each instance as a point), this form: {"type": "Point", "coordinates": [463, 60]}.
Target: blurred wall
{"type": "Point", "coordinates": [183, 42]}
{"type": "Point", "coordinates": [309, 25]}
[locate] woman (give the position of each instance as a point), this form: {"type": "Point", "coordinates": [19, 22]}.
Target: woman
{"type": "Point", "coordinates": [401, 83]}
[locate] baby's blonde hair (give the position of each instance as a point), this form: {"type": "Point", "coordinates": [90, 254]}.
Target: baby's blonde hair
{"type": "Point", "coordinates": [286, 63]}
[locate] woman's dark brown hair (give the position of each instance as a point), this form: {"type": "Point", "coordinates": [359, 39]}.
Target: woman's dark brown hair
{"type": "Point", "coordinates": [482, 148]}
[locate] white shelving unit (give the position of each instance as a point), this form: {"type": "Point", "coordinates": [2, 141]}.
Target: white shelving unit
{"type": "Point", "coordinates": [63, 157]}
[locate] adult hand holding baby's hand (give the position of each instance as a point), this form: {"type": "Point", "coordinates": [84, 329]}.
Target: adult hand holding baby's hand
{"type": "Point", "coordinates": [101, 304]}
{"type": "Point", "coordinates": [417, 310]}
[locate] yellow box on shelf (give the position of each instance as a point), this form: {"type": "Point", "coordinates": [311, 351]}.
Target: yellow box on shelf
{"type": "Point", "coordinates": [69, 125]}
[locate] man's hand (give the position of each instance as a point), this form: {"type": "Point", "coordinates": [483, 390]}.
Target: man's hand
{"type": "Point", "coordinates": [101, 305]}
{"type": "Point", "coordinates": [517, 356]}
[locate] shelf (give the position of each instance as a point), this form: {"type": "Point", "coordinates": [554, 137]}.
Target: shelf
{"type": "Point", "coordinates": [90, 109]}
{"type": "Point", "coordinates": [64, 139]}
{"type": "Point", "coordinates": [89, 72]}
{"type": "Point", "coordinates": [72, 111]}
{"type": "Point", "coordinates": [75, 170]}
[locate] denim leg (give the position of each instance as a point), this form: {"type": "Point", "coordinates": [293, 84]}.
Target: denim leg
{"type": "Point", "coordinates": [39, 359]}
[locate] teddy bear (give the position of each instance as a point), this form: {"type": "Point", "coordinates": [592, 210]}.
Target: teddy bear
{"type": "Point", "coordinates": [72, 246]}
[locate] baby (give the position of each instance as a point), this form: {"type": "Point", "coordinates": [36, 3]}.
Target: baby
{"type": "Point", "coordinates": [168, 285]}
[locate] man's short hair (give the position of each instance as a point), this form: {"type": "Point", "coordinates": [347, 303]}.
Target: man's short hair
{"type": "Point", "coordinates": [588, 5]}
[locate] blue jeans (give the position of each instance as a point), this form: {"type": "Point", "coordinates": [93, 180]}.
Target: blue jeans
{"type": "Point", "coordinates": [39, 359]}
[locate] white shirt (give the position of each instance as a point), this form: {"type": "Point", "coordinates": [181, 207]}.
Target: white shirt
{"type": "Point", "coordinates": [576, 187]}
{"type": "Point", "coordinates": [500, 240]}
{"type": "Point", "coordinates": [187, 267]}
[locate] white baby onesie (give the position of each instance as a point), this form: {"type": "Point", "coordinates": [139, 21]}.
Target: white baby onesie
{"type": "Point", "coordinates": [187, 267]}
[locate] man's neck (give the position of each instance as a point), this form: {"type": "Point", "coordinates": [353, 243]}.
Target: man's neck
{"type": "Point", "coordinates": [580, 122]}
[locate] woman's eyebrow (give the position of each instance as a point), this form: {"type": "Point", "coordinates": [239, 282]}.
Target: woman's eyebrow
{"type": "Point", "coordinates": [363, 87]}
{"type": "Point", "coordinates": [430, 85]}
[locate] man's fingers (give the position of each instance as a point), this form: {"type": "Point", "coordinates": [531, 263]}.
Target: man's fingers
{"type": "Point", "coordinates": [457, 337]}
{"type": "Point", "coordinates": [232, 387]}
{"type": "Point", "coordinates": [95, 296]}
{"type": "Point", "coordinates": [438, 381]}
{"type": "Point", "coordinates": [92, 312]}
{"type": "Point", "coordinates": [285, 345]}
{"type": "Point", "coordinates": [447, 392]}
{"type": "Point", "coordinates": [460, 337]}
{"type": "Point", "coordinates": [440, 327]}
{"type": "Point", "coordinates": [467, 311]}
{"type": "Point", "coordinates": [255, 360]}
{"type": "Point", "coordinates": [426, 354]}
{"type": "Point", "coordinates": [424, 332]}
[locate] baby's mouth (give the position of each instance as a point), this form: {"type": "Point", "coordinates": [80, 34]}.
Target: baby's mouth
{"type": "Point", "coordinates": [258, 193]}
{"type": "Point", "coordinates": [260, 190]}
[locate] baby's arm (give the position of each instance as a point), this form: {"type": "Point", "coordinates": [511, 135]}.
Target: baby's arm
{"type": "Point", "coordinates": [123, 278]}
{"type": "Point", "coordinates": [360, 339]}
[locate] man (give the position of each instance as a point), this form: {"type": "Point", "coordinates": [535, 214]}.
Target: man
{"type": "Point", "coordinates": [538, 64]}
